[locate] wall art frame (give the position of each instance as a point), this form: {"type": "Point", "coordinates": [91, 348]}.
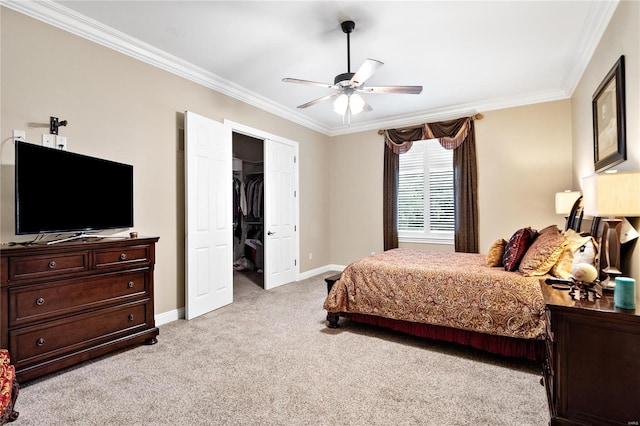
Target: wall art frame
{"type": "Point", "coordinates": [609, 123]}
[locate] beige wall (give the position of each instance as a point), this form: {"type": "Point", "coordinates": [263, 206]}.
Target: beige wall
{"type": "Point", "coordinates": [128, 111]}
{"type": "Point", "coordinates": [356, 196]}
{"type": "Point", "coordinates": [125, 110]}
{"type": "Point", "coordinates": [621, 38]}
{"type": "Point", "coordinates": [523, 156]}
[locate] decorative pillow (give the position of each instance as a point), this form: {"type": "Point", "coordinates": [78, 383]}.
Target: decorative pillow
{"type": "Point", "coordinates": [543, 254]}
{"type": "Point", "coordinates": [517, 246]}
{"type": "Point", "coordinates": [496, 253]}
{"type": "Point", "coordinates": [562, 268]}
{"type": "Point", "coordinates": [550, 228]}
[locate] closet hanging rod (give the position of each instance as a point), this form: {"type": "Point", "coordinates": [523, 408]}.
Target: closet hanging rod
{"type": "Point", "coordinates": [248, 161]}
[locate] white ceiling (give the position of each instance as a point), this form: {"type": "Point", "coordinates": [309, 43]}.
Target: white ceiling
{"type": "Point", "coordinates": [469, 56]}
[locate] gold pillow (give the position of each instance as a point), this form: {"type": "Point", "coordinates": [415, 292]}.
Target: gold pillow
{"type": "Point", "coordinates": [543, 254]}
{"type": "Point", "coordinates": [562, 268]}
{"type": "Point", "coordinates": [496, 253]}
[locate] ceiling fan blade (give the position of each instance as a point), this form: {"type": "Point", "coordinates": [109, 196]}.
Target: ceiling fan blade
{"type": "Point", "coordinates": [366, 70]}
{"type": "Point", "coordinates": [315, 101]}
{"type": "Point", "coordinates": [308, 82]}
{"type": "Point", "coordinates": [411, 90]}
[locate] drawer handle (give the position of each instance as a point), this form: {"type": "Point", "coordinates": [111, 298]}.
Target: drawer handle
{"type": "Point", "coordinates": [40, 301]}
{"type": "Point", "coordinates": [123, 256]}
{"type": "Point", "coordinates": [130, 317]}
{"type": "Point", "coordinates": [130, 284]}
{"type": "Point", "coordinates": [40, 341]}
{"type": "Point", "coordinates": [52, 264]}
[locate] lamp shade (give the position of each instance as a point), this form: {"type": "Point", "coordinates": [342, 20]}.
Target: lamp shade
{"type": "Point", "coordinates": [341, 104]}
{"type": "Point", "coordinates": [356, 103]}
{"type": "Point", "coordinates": [612, 194]}
{"type": "Point", "coordinates": [565, 201]}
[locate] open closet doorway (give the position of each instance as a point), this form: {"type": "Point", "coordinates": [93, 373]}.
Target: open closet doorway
{"type": "Point", "coordinates": [265, 211]}
{"type": "Point", "coordinates": [209, 232]}
{"type": "Point", "coordinates": [248, 210]}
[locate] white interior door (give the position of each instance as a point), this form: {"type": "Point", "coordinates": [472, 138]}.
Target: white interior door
{"type": "Point", "coordinates": [209, 226]}
{"type": "Point", "coordinates": [280, 213]}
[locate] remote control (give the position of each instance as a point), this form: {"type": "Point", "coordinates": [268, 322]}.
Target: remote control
{"type": "Point", "coordinates": [558, 281]}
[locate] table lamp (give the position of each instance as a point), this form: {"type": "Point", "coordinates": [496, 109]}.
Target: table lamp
{"type": "Point", "coordinates": [564, 204]}
{"type": "Point", "coordinates": [611, 196]}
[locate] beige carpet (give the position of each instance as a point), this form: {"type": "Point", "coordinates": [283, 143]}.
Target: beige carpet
{"type": "Point", "coordinates": [268, 359]}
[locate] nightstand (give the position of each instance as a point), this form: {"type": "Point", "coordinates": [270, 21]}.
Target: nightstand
{"type": "Point", "coordinates": [592, 366]}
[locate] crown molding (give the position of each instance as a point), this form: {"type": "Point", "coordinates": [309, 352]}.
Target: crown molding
{"type": "Point", "coordinates": [452, 112]}
{"type": "Point", "coordinates": [68, 20]}
{"type": "Point", "coordinates": [594, 26]}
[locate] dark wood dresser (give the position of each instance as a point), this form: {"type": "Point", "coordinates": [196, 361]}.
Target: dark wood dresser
{"type": "Point", "coordinates": [592, 366]}
{"type": "Point", "coordinates": [69, 302]}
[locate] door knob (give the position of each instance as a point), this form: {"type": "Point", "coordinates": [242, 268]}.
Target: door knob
{"type": "Point", "coordinates": [270, 233]}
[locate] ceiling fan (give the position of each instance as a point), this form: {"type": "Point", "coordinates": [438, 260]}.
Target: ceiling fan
{"type": "Point", "coordinates": [348, 85]}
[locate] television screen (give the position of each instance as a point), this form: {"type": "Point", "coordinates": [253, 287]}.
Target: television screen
{"type": "Point", "coordinates": [60, 191]}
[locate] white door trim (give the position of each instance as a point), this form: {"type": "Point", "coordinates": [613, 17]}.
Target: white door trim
{"type": "Point", "coordinates": [259, 134]}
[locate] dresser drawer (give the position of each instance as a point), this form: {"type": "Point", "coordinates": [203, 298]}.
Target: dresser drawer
{"type": "Point", "coordinates": [55, 338]}
{"type": "Point", "coordinates": [122, 256]}
{"type": "Point", "coordinates": [30, 267]}
{"type": "Point", "coordinates": [39, 302]}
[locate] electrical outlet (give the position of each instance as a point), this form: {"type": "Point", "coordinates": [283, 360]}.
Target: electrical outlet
{"type": "Point", "coordinates": [19, 135]}
{"type": "Point", "coordinates": [61, 142]}
{"type": "Point", "coordinates": [310, 256]}
{"type": "Point", "coordinates": [49, 140]}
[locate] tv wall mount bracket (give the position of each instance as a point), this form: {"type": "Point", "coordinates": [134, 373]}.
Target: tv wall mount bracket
{"type": "Point", "coordinates": [54, 123]}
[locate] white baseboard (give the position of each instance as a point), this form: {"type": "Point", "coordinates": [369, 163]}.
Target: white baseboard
{"type": "Point", "coordinates": [167, 317]}
{"type": "Point", "coordinates": [318, 271]}
{"type": "Point", "coordinates": [176, 314]}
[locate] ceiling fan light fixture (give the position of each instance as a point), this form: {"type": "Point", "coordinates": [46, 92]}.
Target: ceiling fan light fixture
{"type": "Point", "coordinates": [341, 104]}
{"type": "Point", "coordinates": [347, 102]}
{"type": "Point", "coordinates": [356, 103]}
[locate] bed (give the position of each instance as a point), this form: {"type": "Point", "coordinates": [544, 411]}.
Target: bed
{"type": "Point", "coordinates": [460, 297]}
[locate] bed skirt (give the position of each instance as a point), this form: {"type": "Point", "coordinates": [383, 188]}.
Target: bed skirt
{"type": "Point", "coordinates": [531, 349]}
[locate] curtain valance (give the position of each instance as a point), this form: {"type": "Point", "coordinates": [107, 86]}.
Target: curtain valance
{"type": "Point", "coordinates": [450, 134]}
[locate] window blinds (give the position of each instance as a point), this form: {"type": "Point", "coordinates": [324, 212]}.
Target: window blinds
{"type": "Point", "coordinates": [425, 189]}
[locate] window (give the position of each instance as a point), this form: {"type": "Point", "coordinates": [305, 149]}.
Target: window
{"type": "Point", "coordinates": [425, 194]}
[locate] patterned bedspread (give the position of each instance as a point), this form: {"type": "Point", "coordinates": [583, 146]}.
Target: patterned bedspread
{"type": "Point", "coordinates": [453, 290]}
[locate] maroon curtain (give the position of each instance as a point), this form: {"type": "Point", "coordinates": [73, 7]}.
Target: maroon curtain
{"type": "Point", "coordinates": [398, 141]}
{"type": "Point", "coordinates": [390, 201]}
{"type": "Point", "coordinates": [458, 135]}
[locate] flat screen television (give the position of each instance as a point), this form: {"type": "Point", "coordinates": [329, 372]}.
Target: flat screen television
{"type": "Point", "coordinates": [59, 191]}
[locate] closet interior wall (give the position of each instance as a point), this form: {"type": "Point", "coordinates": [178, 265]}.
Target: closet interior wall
{"type": "Point", "coordinates": [248, 206]}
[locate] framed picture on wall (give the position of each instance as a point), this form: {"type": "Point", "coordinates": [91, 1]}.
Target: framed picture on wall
{"type": "Point", "coordinates": [609, 128]}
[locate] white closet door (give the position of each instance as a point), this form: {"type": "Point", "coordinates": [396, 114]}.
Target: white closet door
{"type": "Point", "coordinates": [280, 217]}
{"type": "Point", "coordinates": [209, 222]}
